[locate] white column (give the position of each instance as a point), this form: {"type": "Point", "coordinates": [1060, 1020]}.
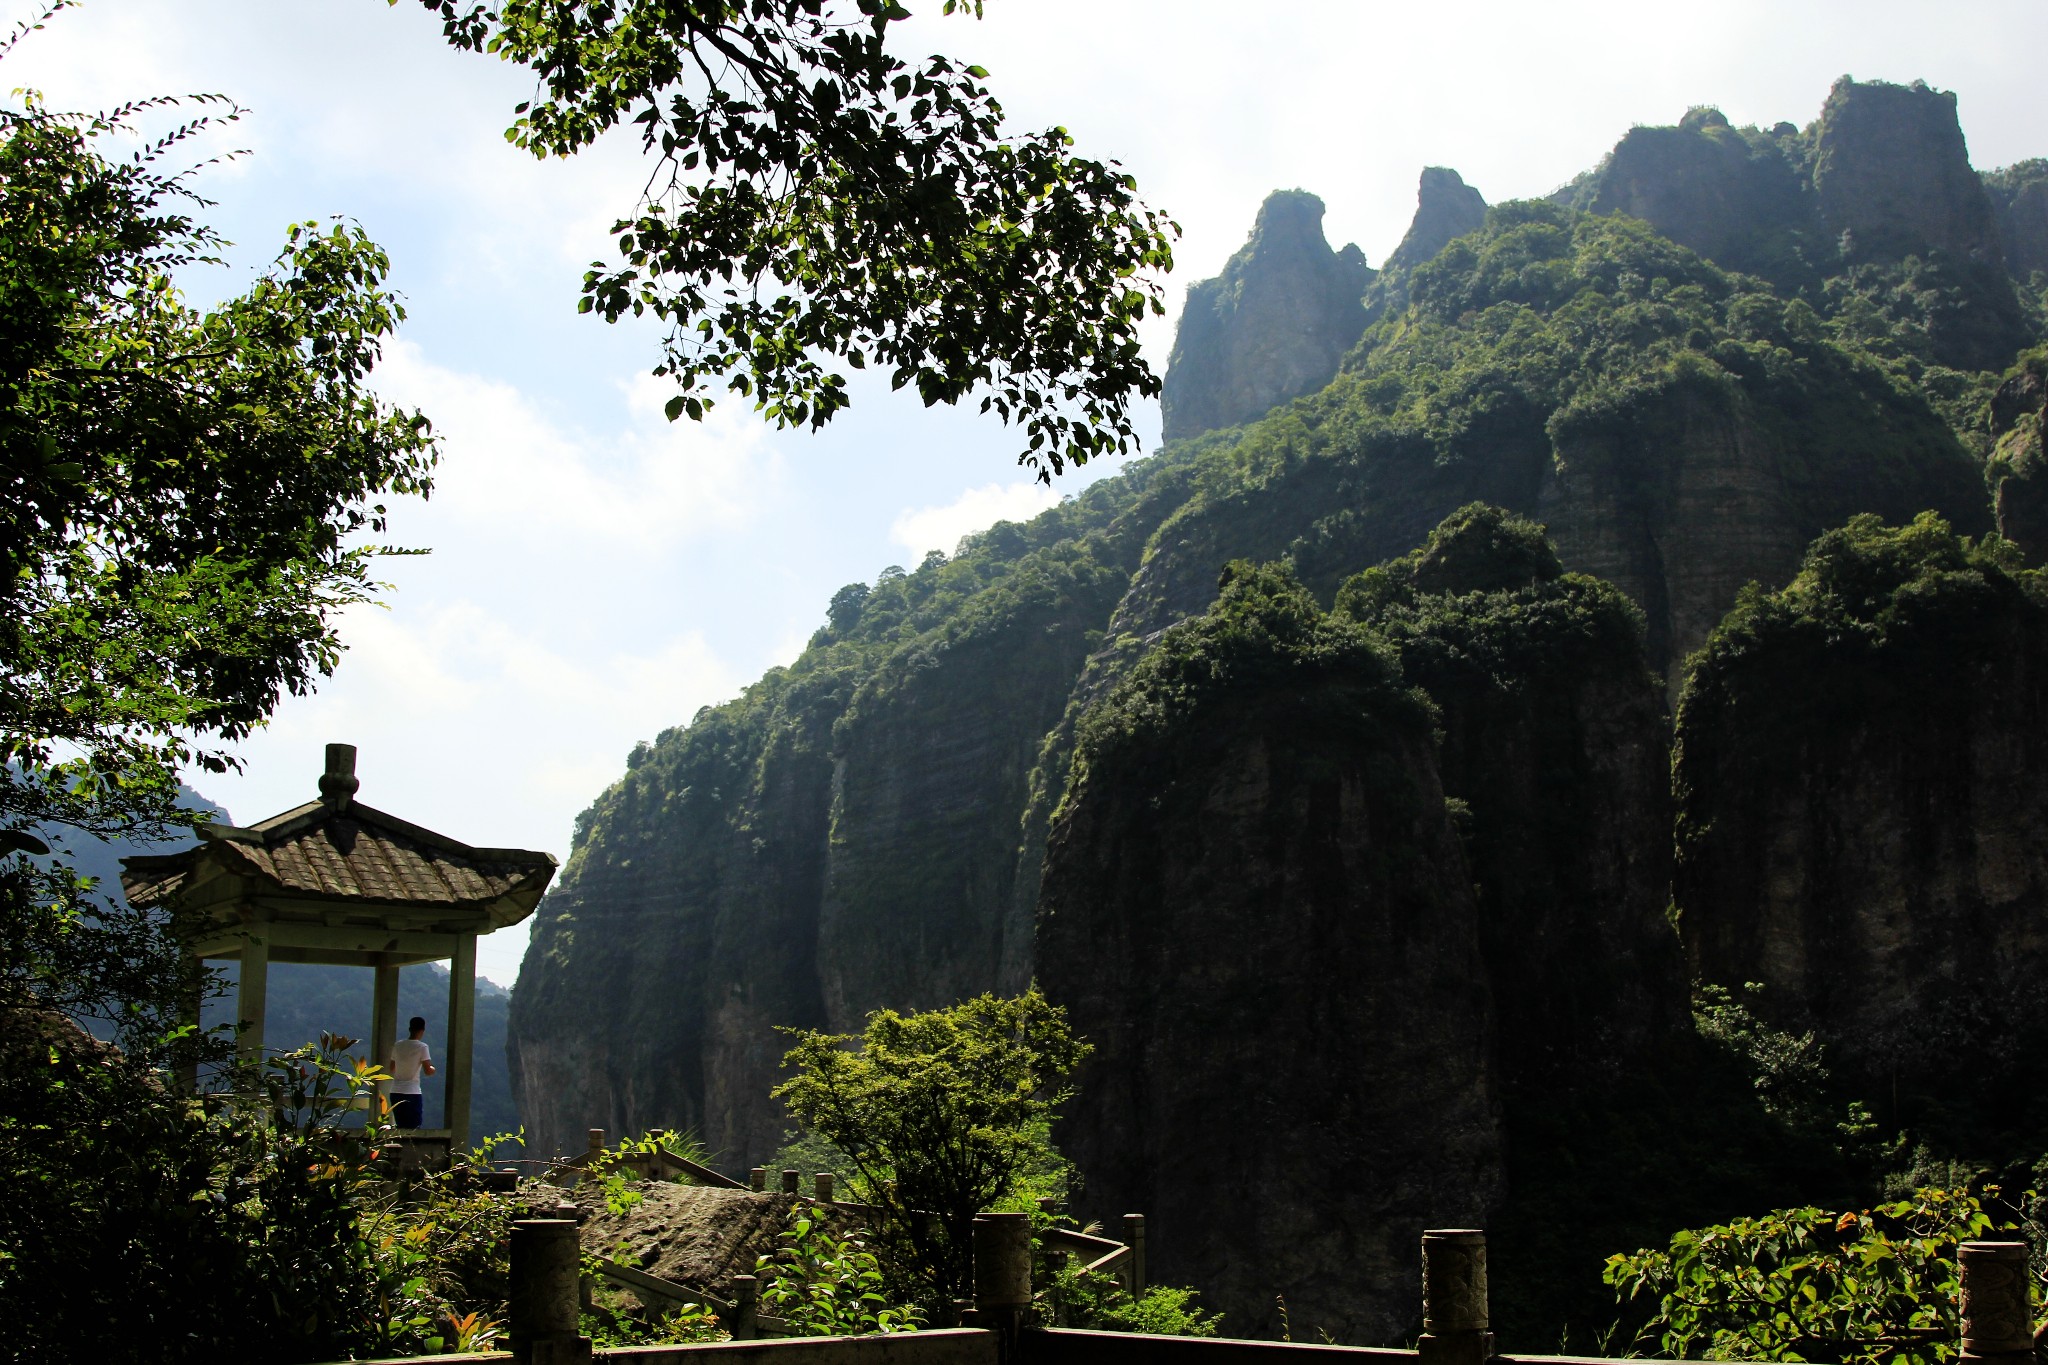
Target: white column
{"type": "Point", "coordinates": [252, 993]}
{"type": "Point", "coordinates": [461, 1038]}
{"type": "Point", "coordinates": [384, 1019]}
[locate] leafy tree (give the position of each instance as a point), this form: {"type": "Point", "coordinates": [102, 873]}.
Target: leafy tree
{"type": "Point", "coordinates": [942, 1113]}
{"type": "Point", "coordinates": [1871, 1287]}
{"type": "Point", "coordinates": [187, 498]}
{"type": "Point", "coordinates": [816, 198]}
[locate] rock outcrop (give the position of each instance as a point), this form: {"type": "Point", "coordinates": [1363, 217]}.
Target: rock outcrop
{"type": "Point", "coordinates": [1729, 195]}
{"type": "Point", "coordinates": [2018, 468]}
{"type": "Point", "coordinates": [2019, 203]}
{"type": "Point", "coordinates": [1259, 913]}
{"type": "Point", "coordinates": [1860, 825]}
{"type": "Point", "coordinates": [1445, 208]}
{"type": "Point", "coordinates": [1893, 178]}
{"type": "Point", "coordinates": [1271, 327]}
{"type": "Point", "coordinates": [1554, 738]}
{"type": "Point", "coordinates": [1228, 907]}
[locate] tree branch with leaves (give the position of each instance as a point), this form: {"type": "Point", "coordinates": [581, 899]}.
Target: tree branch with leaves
{"type": "Point", "coordinates": [817, 201]}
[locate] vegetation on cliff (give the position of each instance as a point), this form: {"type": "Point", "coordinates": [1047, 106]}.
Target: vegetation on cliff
{"type": "Point", "coordinates": [942, 1114]}
{"type": "Point", "coordinates": [848, 832]}
{"type": "Point", "coordinates": [1854, 771]}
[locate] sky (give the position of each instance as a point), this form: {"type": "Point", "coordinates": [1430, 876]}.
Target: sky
{"type": "Point", "coordinates": [597, 574]}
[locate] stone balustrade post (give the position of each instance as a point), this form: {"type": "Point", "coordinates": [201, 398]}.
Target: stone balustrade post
{"type": "Point", "coordinates": [792, 1181]}
{"type": "Point", "coordinates": [546, 1294]}
{"type": "Point", "coordinates": [821, 1186]}
{"type": "Point", "coordinates": [1002, 1277]}
{"type": "Point", "coordinates": [746, 1308]}
{"type": "Point", "coordinates": [1134, 1238]}
{"type": "Point", "coordinates": [1997, 1307]}
{"type": "Point", "coordinates": [1455, 1325]}
{"type": "Point", "coordinates": [758, 1179]}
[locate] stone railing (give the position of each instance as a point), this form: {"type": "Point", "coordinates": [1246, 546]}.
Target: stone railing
{"type": "Point", "coordinates": [1997, 1317]}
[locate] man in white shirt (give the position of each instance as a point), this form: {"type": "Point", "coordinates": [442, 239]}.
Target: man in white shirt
{"type": "Point", "coordinates": [409, 1061]}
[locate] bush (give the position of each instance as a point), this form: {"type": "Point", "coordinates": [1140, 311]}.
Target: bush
{"type": "Point", "coordinates": [1872, 1287]}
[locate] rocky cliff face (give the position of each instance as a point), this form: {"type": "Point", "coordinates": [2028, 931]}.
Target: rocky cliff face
{"type": "Point", "coordinates": [1260, 915]}
{"type": "Point", "coordinates": [1892, 174]}
{"type": "Point", "coordinates": [1554, 738]}
{"type": "Point", "coordinates": [2018, 468]}
{"type": "Point", "coordinates": [932, 765]}
{"type": "Point", "coordinates": [842, 837]}
{"type": "Point", "coordinates": [2019, 202]}
{"type": "Point", "coordinates": [1703, 184]}
{"type": "Point", "coordinates": [1860, 824]}
{"type": "Point", "coordinates": [1271, 327]}
{"type": "Point", "coordinates": [1445, 208]}
{"type": "Point", "coordinates": [876, 824]}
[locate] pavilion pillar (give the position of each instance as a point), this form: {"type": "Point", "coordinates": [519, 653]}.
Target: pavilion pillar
{"type": "Point", "coordinates": [189, 1004]}
{"type": "Point", "coordinates": [252, 994]}
{"type": "Point", "coordinates": [461, 1038]}
{"type": "Point", "coordinates": [384, 1018]}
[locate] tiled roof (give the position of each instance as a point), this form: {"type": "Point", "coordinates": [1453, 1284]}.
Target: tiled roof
{"type": "Point", "coordinates": [345, 851]}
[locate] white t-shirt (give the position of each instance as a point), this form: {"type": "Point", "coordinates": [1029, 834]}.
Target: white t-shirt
{"type": "Point", "coordinates": [406, 1056]}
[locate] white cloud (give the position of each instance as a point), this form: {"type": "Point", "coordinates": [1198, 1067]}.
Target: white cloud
{"type": "Point", "coordinates": [919, 529]}
{"type": "Point", "coordinates": [508, 468]}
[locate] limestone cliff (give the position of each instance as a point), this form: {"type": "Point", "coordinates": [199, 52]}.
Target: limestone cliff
{"type": "Point", "coordinates": [1860, 824]}
{"type": "Point", "coordinates": [2018, 468]}
{"type": "Point", "coordinates": [2019, 202]}
{"type": "Point", "coordinates": [841, 837]}
{"type": "Point", "coordinates": [1271, 327]}
{"type": "Point", "coordinates": [1892, 174]}
{"type": "Point", "coordinates": [876, 823]}
{"type": "Point", "coordinates": [1445, 208]}
{"type": "Point", "coordinates": [1256, 908]}
{"type": "Point", "coordinates": [1714, 457]}
{"type": "Point", "coordinates": [1736, 197]}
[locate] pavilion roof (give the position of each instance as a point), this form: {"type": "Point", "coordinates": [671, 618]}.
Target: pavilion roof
{"type": "Point", "coordinates": [354, 859]}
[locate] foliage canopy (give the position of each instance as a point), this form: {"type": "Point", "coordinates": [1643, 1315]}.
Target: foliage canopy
{"type": "Point", "coordinates": [817, 198]}
{"type": "Point", "coordinates": [942, 1113]}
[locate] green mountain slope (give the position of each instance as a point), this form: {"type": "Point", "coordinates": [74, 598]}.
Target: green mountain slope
{"type": "Point", "coordinates": [1715, 347]}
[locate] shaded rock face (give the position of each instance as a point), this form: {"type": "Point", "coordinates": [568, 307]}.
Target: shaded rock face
{"type": "Point", "coordinates": [1567, 777]}
{"type": "Point", "coordinates": [842, 838]}
{"type": "Point", "coordinates": [2018, 469]}
{"type": "Point", "coordinates": [931, 774]}
{"type": "Point", "coordinates": [1554, 738]}
{"type": "Point", "coordinates": [1680, 506]}
{"type": "Point", "coordinates": [1271, 940]}
{"type": "Point", "coordinates": [1862, 831]}
{"type": "Point", "coordinates": [2019, 203]}
{"type": "Point", "coordinates": [1893, 175]}
{"type": "Point", "coordinates": [1445, 208]}
{"type": "Point", "coordinates": [1270, 328]}
{"type": "Point", "coordinates": [1706, 186]}
{"type": "Point", "coordinates": [682, 936]}
{"type": "Point", "coordinates": [1683, 536]}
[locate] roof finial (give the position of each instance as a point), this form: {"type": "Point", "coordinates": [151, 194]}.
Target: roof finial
{"type": "Point", "coordinates": [339, 782]}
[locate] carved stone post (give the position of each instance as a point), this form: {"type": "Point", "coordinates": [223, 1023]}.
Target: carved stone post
{"type": "Point", "coordinates": [546, 1289]}
{"type": "Point", "coordinates": [821, 1184]}
{"type": "Point", "coordinates": [1002, 1276]}
{"type": "Point", "coordinates": [1454, 1313]}
{"type": "Point", "coordinates": [758, 1178]}
{"type": "Point", "coordinates": [1998, 1312]}
{"type": "Point", "coordinates": [746, 1308]}
{"type": "Point", "coordinates": [792, 1181]}
{"type": "Point", "coordinates": [1134, 1237]}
